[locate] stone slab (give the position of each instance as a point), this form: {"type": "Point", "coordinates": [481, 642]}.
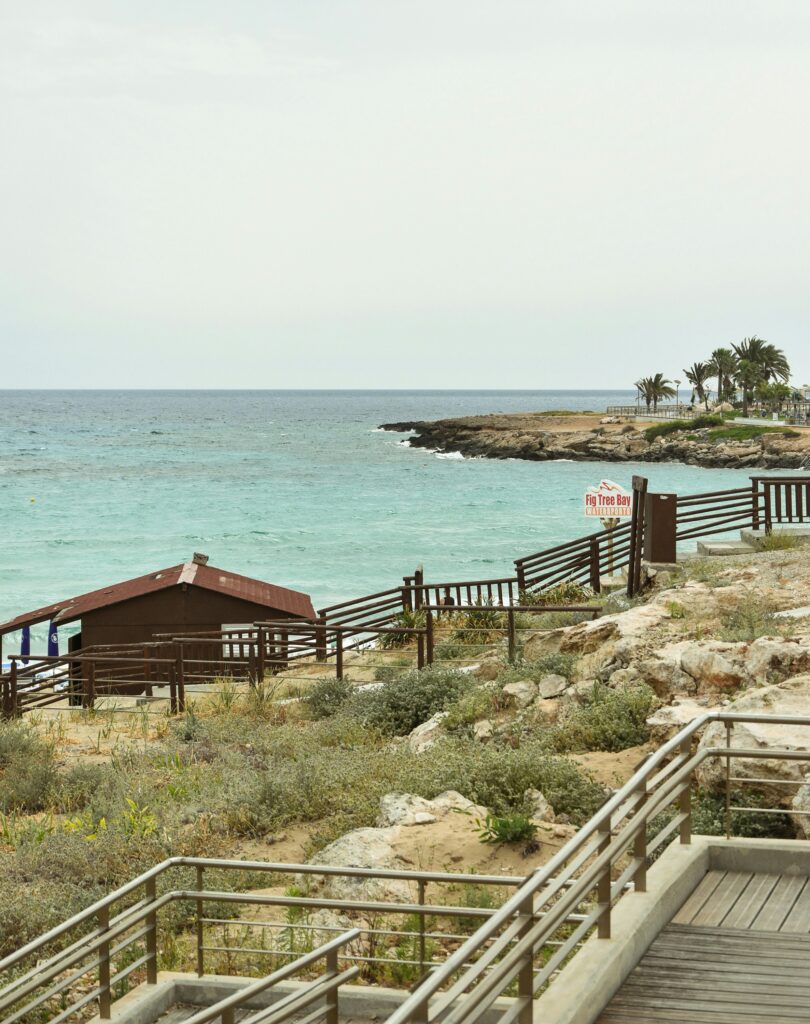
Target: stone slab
{"type": "Point", "coordinates": [724, 547]}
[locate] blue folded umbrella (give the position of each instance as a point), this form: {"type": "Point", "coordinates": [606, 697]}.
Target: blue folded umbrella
{"type": "Point", "coordinates": [53, 641]}
{"type": "Point", "coordinates": [25, 644]}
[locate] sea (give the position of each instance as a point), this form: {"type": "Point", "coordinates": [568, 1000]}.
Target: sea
{"type": "Point", "coordinates": [301, 488]}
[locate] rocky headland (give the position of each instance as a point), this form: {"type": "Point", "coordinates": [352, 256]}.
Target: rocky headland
{"type": "Point", "coordinates": [592, 438]}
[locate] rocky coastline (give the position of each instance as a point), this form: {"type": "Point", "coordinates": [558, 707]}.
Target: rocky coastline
{"type": "Point", "coordinates": [541, 438]}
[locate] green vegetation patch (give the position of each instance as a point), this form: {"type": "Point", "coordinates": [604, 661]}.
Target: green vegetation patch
{"type": "Point", "coordinates": [605, 719]}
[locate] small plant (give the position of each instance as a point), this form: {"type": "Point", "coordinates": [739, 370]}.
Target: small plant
{"type": "Point", "coordinates": [556, 663]}
{"type": "Point", "coordinates": [513, 828]}
{"type": "Point", "coordinates": [675, 610]}
{"type": "Point", "coordinates": [470, 708]}
{"type": "Point", "coordinates": [566, 592]}
{"type": "Point", "coordinates": [779, 542]}
{"type": "Point", "coordinates": [407, 619]}
{"type": "Point", "coordinates": [752, 618]}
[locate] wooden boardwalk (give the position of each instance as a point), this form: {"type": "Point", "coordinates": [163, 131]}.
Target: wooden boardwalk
{"type": "Point", "coordinates": [737, 950]}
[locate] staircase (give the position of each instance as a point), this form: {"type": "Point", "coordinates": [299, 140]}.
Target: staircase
{"type": "Point", "coordinates": [751, 541]}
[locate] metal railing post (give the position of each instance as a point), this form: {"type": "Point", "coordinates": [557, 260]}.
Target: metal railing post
{"type": "Point", "coordinates": [104, 994]}
{"type": "Point", "coordinates": [603, 885]}
{"type": "Point", "coordinates": [199, 924]}
{"type": "Point", "coordinates": [685, 800]}
{"type": "Point", "coordinates": [640, 841]}
{"type": "Point", "coordinates": [727, 816]}
{"type": "Point", "coordinates": [151, 935]}
{"type": "Point", "coordinates": [331, 1007]}
{"type": "Point", "coordinates": [422, 947]}
{"type": "Point", "coordinates": [525, 978]}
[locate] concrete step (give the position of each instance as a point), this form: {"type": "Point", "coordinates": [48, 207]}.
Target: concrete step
{"type": "Point", "coordinates": [755, 537]}
{"type": "Point", "coordinates": [724, 547]}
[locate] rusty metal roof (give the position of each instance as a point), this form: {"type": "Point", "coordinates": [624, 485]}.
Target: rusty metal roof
{"type": "Point", "coordinates": [268, 595]}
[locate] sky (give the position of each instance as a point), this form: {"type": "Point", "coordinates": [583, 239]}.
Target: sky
{"type": "Point", "coordinates": [399, 193]}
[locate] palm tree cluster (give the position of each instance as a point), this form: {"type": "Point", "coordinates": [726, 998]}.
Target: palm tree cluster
{"type": "Point", "coordinates": [755, 369]}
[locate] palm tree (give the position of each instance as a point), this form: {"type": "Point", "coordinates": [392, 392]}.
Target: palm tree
{"type": "Point", "coordinates": [770, 359]}
{"type": "Point", "coordinates": [655, 388]}
{"type": "Point", "coordinates": [723, 365]}
{"type": "Point", "coordinates": [749, 375]}
{"type": "Point", "coordinates": [698, 375]}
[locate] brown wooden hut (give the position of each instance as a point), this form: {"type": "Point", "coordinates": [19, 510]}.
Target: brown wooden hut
{"type": "Point", "coordinates": [192, 597]}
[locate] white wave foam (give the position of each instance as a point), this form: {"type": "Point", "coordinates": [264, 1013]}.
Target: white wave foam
{"type": "Point", "coordinates": [449, 455]}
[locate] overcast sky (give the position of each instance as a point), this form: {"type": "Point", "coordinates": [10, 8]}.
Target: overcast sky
{"type": "Point", "coordinates": [399, 193]}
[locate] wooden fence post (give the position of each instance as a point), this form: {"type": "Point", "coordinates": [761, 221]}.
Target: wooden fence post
{"type": "Point", "coordinates": [173, 688]}
{"type": "Point", "coordinates": [520, 572]}
{"type": "Point", "coordinates": [13, 702]}
{"type": "Point", "coordinates": [511, 637]}
{"type": "Point", "coordinates": [418, 582]}
{"type": "Point", "coordinates": [429, 636]}
{"type": "Point", "coordinates": [420, 649]}
{"type": "Point", "coordinates": [754, 502]}
{"type": "Point", "coordinates": [90, 686]}
{"type": "Point", "coordinates": [320, 638]}
{"type": "Point", "coordinates": [338, 653]}
{"type": "Point", "coordinates": [260, 652]}
{"type": "Point", "coordinates": [595, 574]}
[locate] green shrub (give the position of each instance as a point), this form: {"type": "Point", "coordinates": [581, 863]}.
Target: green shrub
{"type": "Point", "coordinates": [399, 705]}
{"type": "Point", "coordinates": [513, 828]}
{"type": "Point", "coordinates": [676, 426]}
{"type": "Point", "coordinates": [478, 626]}
{"type": "Point", "coordinates": [27, 770]}
{"type": "Point", "coordinates": [744, 433]}
{"type": "Point", "coordinates": [327, 697]}
{"type": "Point", "coordinates": [554, 663]}
{"type": "Point", "coordinates": [605, 719]}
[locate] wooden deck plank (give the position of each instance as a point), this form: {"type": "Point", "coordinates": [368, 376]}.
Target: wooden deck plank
{"type": "Point", "coordinates": [722, 899]}
{"type": "Point", "coordinates": [779, 904]}
{"type": "Point", "coordinates": [798, 920]}
{"type": "Point", "coordinates": [751, 901]}
{"type": "Point", "coordinates": [700, 894]}
{"type": "Point", "coordinates": [718, 975]}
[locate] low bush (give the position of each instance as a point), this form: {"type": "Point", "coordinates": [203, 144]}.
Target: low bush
{"type": "Point", "coordinates": [399, 705]}
{"type": "Point", "coordinates": [779, 542]}
{"type": "Point", "coordinates": [471, 707]}
{"type": "Point", "coordinates": [555, 663]}
{"type": "Point", "coordinates": [566, 592]}
{"type": "Point", "coordinates": [327, 696]}
{"type": "Point", "coordinates": [27, 770]}
{"type": "Point", "coordinates": [605, 719]}
{"type": "Point", "coordinates": [676, 426]}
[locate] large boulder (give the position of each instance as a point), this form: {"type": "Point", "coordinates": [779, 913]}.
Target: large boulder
{"type": "Point", "coordinates": [539, 808]}
{"type": "Point", "coordinates": [671, 718]}
{"type": "Point", "coordinates": [714, 666]}
{"type": "Point", "coordinates": [789, 698]}
{"type": "Point", "coordinates": [552, 685]}
{"type": "Point", "coordinates": [362, 848]}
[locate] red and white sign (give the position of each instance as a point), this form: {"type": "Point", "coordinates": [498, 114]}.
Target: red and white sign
{"type": "Point", "coordinates": [608, 501]}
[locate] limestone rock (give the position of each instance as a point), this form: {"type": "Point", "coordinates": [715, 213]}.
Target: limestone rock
{"type": "Point", "coordinates": [767, 657]}
{"type": "Point", "coordinates": [801, 804]}
{"type": "Point", "coordinates": [424, 736]}
{"type": "Point", "coordinates": [405, 809]}
{"type": "Point", "coordinates": [483, 730]}
{"type": "Point", "coordinates": [670, 719]}
{"type": "Point", "coordinates": [539, 808]}
{"type": "Point", "coordinates": [714, 666]}
{"type": "Point", "coordinates": [552, 685]}
{"type": "Point", "coordinates": [789, 698]}
{"type": "Point", "coordinates": [521, 694]}
{"type": "Point", "coordinates": [363, 848]}
{"type": "Point", "coordinates": [665, 677]}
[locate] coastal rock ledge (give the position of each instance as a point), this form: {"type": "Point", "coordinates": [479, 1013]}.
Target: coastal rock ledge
{"type": "Point", "coordinates": [543, 437]}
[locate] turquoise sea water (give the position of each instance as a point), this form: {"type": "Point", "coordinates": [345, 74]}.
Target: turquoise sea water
{"type": "Point", "coordinates": [295, 487]}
